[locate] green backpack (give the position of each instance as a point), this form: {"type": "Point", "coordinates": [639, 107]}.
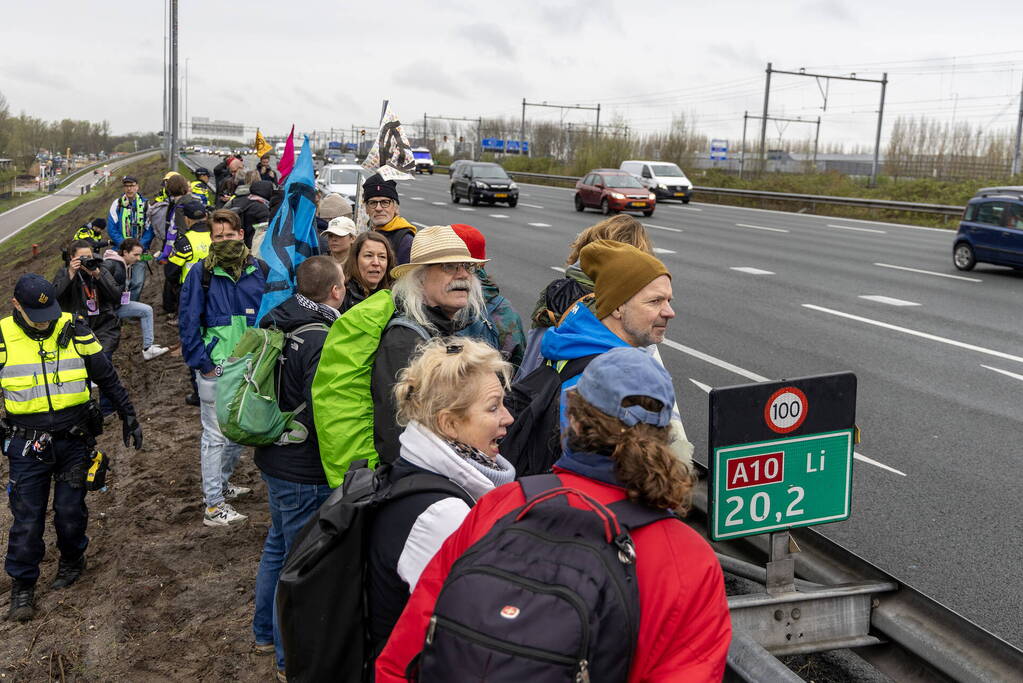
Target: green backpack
{"type": "Point", "coordinates": [342, 403]}
{"type": "Point", "coordinates": [247, 407]}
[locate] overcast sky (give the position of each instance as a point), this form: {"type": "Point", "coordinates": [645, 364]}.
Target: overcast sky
{"type": "Point", "coordinates": [328, 63]}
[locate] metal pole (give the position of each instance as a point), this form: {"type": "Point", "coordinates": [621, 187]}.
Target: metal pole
{"type": "Point", "coordinates": [816, 140]}
{"type": "Point", "coordinates": [479, 139]}
{"type": "Point", "coordinates": [424, 128]}
{"type": "Point", "coordinates": [185, 122]}
{"type": "Point", "coordinates": [1019, 130]}
{"type": "Point", "coordinates": [763, 123]}
{"type": "Point", "coordinates": [598, 120]}
{"type": "Point", "coordinates": [742, 156]}
{"type": "Point", "coordinates": [163, 124]}
{"type": "Point", "coordinates": [877, 140]}
{"type": "Point", "coordinates": [173, 161]}
{"type": "Point", "coordinates": [522, 130]}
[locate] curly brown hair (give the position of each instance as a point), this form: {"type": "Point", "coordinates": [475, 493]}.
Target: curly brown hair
{"type": "Point", "coordinates": [620, 228]}
{"type": "Point", "coordinates": [643, 461]}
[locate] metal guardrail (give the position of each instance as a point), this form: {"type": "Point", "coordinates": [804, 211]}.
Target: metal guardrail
{"type": "Point", "coordinates": [879, 204]}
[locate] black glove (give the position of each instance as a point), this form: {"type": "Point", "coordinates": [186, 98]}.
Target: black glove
{"type": "Point", "coordinates": [132, 431]}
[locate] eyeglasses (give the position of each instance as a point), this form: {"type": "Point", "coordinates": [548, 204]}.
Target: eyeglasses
{"type": "Point", "coordinates": [452, 268]}
{"type": "Point", "coordinates": [382, 203]}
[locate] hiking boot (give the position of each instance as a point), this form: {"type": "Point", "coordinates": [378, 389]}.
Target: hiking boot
{"type": "Point", "coordinates": [263, 648]}
{"type": "Point", "coordinates": [193, 400]}
{"type": "Point", "coordinates": [153, 351]}
{"type": "Point", "coordinates": [23, 601]}
{"type": "Point", "coordinates": [222, 515]}
{"type": "Point", "coordinates": [68, 572]}
{"type": "Point", "coordinates": [231, 491]}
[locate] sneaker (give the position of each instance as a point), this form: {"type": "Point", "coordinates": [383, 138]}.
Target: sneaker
{"type": "Point", "coordinates": [153, 351]}
{"type": "Point", "coordinates": [263, 648]}
{"type": "Point", "coordinates": [68, 572]}
{"type": "Point", "coordinates": [23, 601]}
{"type": "Point", "coordinates": [222, 515]}
{"type": "Point", "coordinates": [281, 676]}
{"type": "Point", "coordinates": [231, 491]}
{"type": "Point", "coordinates": [172, 320]}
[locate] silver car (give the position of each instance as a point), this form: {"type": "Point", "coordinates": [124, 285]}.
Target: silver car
{"type": "Point", "coordinates": [341, 178]}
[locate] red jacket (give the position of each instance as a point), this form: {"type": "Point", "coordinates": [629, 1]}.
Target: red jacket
{"type": "Point", "coordinates": [684, 629]}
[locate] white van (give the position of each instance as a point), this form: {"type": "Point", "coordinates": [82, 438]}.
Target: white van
{"type": "Point", "coordinates": [663, 178]}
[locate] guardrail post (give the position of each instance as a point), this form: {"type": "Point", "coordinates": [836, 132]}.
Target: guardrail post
{"type": "Point", "coordinates": [781, 569]}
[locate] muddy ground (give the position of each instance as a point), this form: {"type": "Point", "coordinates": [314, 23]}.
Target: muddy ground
{"type": "Point", "coordinates": [164, 597]}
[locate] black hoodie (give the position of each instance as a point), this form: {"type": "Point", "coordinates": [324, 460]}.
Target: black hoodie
{"type": "Point", "coordinates": [298, 463]}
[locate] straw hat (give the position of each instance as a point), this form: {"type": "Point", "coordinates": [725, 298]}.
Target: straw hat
{"type": "Point", "coordinates": [436, 244]}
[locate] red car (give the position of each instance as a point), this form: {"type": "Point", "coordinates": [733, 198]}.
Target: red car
{"type": "Point", "coordinates": [611, 191]}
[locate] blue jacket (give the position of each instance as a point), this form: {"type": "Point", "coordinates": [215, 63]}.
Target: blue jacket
{"type": "Point", "coordinates": [116, 230]}
{"type": "Point", "coordinates": [580, 334]}
{"type": "Point", "coordinates": [210, 322]}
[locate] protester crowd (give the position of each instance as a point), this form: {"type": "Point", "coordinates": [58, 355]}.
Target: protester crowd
{"type": "Point", "coordinates": [504, 497]}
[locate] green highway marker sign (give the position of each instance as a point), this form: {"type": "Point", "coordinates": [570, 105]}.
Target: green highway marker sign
{"type": "Point", "coordinates": [781, 454]}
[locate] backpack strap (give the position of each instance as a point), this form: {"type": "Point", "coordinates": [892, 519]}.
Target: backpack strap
{"type": "Point", "coordinates": [539, 483]}
{"type": "Point", "coordinates": [570, 368]}
{"type": "Point", "coordinates": [427, 482]}
{"type": "Point", "coordinates": [632, 515]}
{"type": "Point", "coordinates": [584, 299]}
{"type": "Point", "coordinates": [402, 321]}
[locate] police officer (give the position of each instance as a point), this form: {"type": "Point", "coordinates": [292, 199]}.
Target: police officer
{"type": "Point", "coordinates": [201, 188]}
{"type": "Point", "coordinates": [192, 246]}
{"type": "Point", "coordinates": [51, 423]}
{"type": "Point", "coordinates": [92, 232]}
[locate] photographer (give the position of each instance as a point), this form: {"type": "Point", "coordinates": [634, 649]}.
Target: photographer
{"type": "Point", "coordinates": [86, 289]}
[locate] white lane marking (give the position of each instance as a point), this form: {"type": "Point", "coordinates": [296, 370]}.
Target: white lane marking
{"type": "Point", "coordinates": [703, 387]}
{"type": "Point", "coordinates": [498, 215]}
{"type": "Point", "coordinates": [929, 272]}
{"type": "Point", "coordinates": [661, 227]}
{"type": "Point", "coordinates": [946, 231]}
{"type": "Point", "coordinates": [742, 372]}
{"type": "Point", "coordinates": [466, 208]}
{"type": "Point", "coordinates": [759, 227]}
{"type": "Point", "coordinates": [1004, 372]}
{"type": "Point", "coordinates": [419, 225]}
{"type": "Point", "coordinates": [418, 199]}
{"type": "Point", "coordinates": [532, 206]}
{"type": "Point", "coordinates": [558, 268]}
{"type": "Point", "coordinates": [687, 208]}
{"type": "Point", "coordinates": [658, 250]}
{"type": "Point", "coordinates": [439, 203]}
{"type": "Point", "coordinates": [917, 333]}
{"type": "Point", "coordinates": [751, 271]}
{"type": "Point", "coordinates": [875, 463]}
{"type": "Point", "coordinates": [850, 227]}
{"type": "Point", "coordinates": [891, 301]}
{"type": "Point", "coordinates": [540, 225]}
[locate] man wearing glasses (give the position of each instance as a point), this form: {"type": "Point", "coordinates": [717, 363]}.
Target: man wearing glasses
{"type": "Point", "coordinates": [435, 295]}
{"type": "Point", "coordinates": [381, 200]}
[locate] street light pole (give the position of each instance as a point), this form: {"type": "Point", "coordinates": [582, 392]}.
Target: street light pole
{"type": "Point", "coordinates": [172, 162]}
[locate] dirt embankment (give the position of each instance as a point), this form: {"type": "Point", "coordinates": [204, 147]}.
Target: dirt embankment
{"type": "Point", "coordinates": [163, 598]}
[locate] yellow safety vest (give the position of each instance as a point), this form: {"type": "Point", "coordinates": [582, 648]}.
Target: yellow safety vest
{"type": "Point", "coordinates": [200, 241]}
{"type": "Point", "coordinates": [39, 377]}
{"type": "Point", "coordinates": [204, 193]}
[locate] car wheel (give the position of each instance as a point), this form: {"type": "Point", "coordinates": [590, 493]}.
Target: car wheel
{"type": "Point", "coordinates": [579, 203]}
{"type": "Point", "coordinates": [454, 196]}
{"type": "Point", "coordinates": [473, 198]}
{"type": "Point", "coordinates": [431, 171]}
{"type": "Point", "coordinates": [686, 200]}
{"type": "Point", "coordinates": [512, 203]}
{"type": "Point", "coordinates": [963, 256]}
{"type": "Point", "coordinates": [648, 213]}
{"type": "Point", "coordinates": [605, 208]}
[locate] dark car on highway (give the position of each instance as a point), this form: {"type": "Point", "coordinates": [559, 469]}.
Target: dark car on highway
{"type": "Point", "coordinates": [991, 230]}
{"type": "Point", "coordinates": [611, 191]}
{"type": "Point", "coordinates": [483, 182]}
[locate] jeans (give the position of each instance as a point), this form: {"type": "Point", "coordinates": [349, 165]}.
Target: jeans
{"type": "Point", "coordinates": [144, 312]}
{"type": "Point", "coordinates": [28, 491]}
{"type": "Point", "coordinates": [291, 506]}
{"type": "Point", "coordinates": [217, 453]}
{"type": "Point", "coordinates": [138, 279]}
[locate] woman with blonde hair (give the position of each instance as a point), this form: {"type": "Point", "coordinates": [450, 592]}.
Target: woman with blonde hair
{"type": "Point", "coordinates": [451, 402]}
{"type": "Point", "coordinates": [617, 449]}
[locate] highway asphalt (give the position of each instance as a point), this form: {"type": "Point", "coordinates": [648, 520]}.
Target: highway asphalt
{"type": "Point", "coordinates": [23, 215]}
{"type": "Point", "coordinates": [772, 295]}
{"type": "Point", "coordinates": [937, 354]}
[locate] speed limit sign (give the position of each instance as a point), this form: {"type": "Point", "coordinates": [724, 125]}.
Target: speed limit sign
{"type": "Point", "coordinates": [785, 410]}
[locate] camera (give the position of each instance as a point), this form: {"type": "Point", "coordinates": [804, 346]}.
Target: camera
{"type": "Point", "coordinates": [92, 263]}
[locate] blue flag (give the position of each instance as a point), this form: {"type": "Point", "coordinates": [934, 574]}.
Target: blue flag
{"type": "Point", "coordinates": [291, 237]}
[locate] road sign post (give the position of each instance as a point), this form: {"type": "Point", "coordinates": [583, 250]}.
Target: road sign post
{"type": "Point", "coordinates": [781, 455]}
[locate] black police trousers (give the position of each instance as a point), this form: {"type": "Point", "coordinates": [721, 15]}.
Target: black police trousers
{"type": "Point", "coordinates": [28, 491]}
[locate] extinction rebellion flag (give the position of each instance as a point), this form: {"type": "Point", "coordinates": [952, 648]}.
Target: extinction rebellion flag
{"type": "Point", "coordinates": [391, 155]}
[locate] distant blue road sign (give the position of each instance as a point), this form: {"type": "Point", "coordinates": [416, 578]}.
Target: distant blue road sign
{"type": "Point", "coordinates": [495, 144]}
{"type": "Point", "coordinates": [512, 146]}
{"type": "Point", "coordinates": [525, 147]}
{"type": "Point", "coordinates": [719, 150]}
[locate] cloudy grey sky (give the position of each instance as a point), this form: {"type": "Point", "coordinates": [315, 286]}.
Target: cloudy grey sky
{"type": "Point", "coordinates": [324, 63]}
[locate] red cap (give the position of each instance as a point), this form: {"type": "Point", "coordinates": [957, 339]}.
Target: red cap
{"type": "Point", "coordinates": [473, 239]}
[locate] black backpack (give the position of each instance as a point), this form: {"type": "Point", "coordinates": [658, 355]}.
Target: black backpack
{"type": "Point", "coordinates": [321, 605]}
{"type": "Point", "coordinates": [533, 440]}
{"type": "Point", "coordinates": [548, 595]}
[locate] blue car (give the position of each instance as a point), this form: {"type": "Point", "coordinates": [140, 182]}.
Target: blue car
{"type": "Point", "coordinates": [991, 230]}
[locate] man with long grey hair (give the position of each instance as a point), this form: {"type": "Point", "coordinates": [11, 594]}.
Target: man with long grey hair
{"type": "Point", "coordinates": [435, 295]}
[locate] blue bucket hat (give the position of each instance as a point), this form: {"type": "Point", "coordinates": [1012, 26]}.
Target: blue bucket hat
{"type": "Point", "coordinates": [627, 371]}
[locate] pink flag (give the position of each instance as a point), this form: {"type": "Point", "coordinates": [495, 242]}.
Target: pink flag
{"type": "Point", "coordinates": [287, 160]}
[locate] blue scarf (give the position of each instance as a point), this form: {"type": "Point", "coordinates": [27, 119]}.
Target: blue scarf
{"type": "Point", "coordinates": [589, 465]}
